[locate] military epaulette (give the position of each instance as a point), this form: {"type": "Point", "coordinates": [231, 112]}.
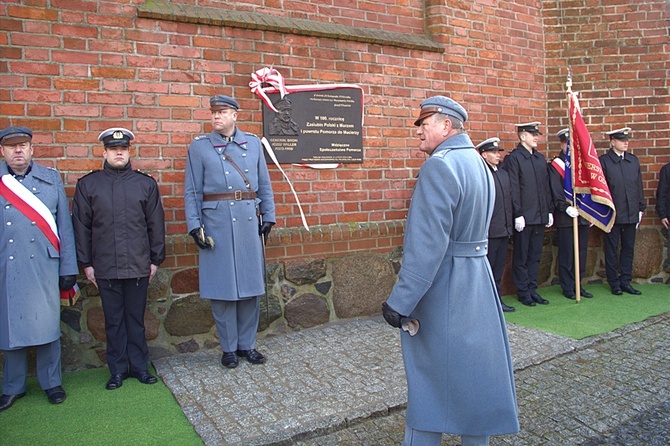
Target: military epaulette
{"type": "Point", "coordinates": [93, 171]}
{"type": "Point", "coordinates": [197, 138]}
{"type": "Point", "coordinates": [143, 173]}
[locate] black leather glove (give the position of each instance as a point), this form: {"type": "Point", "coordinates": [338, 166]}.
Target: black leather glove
{"type": "Point", "coordinates": [264, 230]}
{"type": "Point", "coordinates": [391, 316]}
{"type": "Point", "coordinates": [66, 282]}
{"type": "Point", "coordinates": [203, 244]}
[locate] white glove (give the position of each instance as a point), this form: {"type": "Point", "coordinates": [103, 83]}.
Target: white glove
{"type": "Point", "coordinates": [551, 220]}
{"type": "Point", "coordinates": [572, 211]}
{"type": "Point", "coordinates": [519, 223]}
{"type": "Point", "coordinates": [639, 220]}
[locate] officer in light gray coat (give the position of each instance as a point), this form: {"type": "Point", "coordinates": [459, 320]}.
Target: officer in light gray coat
{"type": "Point", "coordinates": [37, 260]}
{"type": "Point", "coordinates": [456, 351]}
{"type": "Point", "coordinates": [229, 204]}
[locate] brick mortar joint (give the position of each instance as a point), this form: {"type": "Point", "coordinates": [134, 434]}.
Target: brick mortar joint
{"type": "Point", "coordinates": [267, 22]}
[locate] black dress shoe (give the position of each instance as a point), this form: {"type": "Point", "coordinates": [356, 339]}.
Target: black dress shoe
{"type": "Point", "coordinates": [229, 360]}
{"type": "Point", "coordinates": [6, 401]}
{"type": "Point", "coordinates": [253, 356]}
{"type": "Point", "coordinates": [507, 308]}
{"type": "Point", "coordinates": [630, 290]}
{"type": "Point", "coordinates": [616, 291]}
{"type": "Point", "coordinates": [537, 298]}
{"type": "Point", "coordinates": [115, 381]}
{"type": "Point", "coordinates": [144, 377]}
{"type": "Point", "coordinates": [585, 293]}
{"type": "Point", "coordinates": [569, 295]}
{"type": "Point", "coordinates": [56, 395]}
{"type": "Point", "coordinates": [526, 300]}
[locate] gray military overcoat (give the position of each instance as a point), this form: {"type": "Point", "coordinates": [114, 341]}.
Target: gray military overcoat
{"type": "Point", "coordinates": [233, 270]}
{"type": "Point", "coordinates": [31, 265]}
{"type": "Point", "coordinates": [459, 369]}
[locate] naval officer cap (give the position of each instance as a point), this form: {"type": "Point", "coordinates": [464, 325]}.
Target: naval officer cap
{"type": "Point", "coordinates": [116, 137]}
{"type": "Point", "coordinates": [15, 135]}
{"type": "Point", "coordinates": [490, 145]}
{"type": "Point", "coordinates": [620, 134]}
{"type": "Point", "coordinates": [530, 127]}
{"type": "Point", "coordinates": [563, 134]}
{"type": "Point", "coordinates": [222, 102]}
{"type": "Point", "coordinates": [443, 105]}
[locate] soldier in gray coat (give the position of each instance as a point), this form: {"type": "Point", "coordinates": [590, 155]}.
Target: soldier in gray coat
{"type": "Point", "coordinates": [454, 340]}
{"type": "Point", "coordinates": [38, 254]}
{"type": "Point", "coordinates": [229, 205]}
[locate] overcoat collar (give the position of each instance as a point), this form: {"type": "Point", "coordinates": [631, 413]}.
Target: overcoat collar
{"type": "Point", "coordinates": [616, 158]}
{"type": "Point", "coordinates": [524, 151]}
{"type": "Point", "coordinates": [37, 171]}
{"type": "Point", "coordinates": [219, 141]}
{"type": "Point", "coordinates": [456, 142]}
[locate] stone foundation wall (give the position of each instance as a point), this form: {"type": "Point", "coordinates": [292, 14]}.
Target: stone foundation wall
{"type": "Point", "coordinates": [301, 294]}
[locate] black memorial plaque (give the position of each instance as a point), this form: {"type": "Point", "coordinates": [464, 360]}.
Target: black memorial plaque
{"type": "Point", "coordinates": [315, 126]}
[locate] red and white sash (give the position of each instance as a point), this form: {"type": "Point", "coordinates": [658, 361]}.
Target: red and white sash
{"type": "Point", "coordinates": [33, 208]}
{"type": "Point", "coordinates": [559, 165]}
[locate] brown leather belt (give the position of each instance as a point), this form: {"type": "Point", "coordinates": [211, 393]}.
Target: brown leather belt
{"type": "Point", "coordinates": [237, 196]}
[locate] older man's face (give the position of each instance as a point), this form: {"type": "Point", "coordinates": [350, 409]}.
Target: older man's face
{"type": "Point", "coordinates": [18, 155]}
{"type": "Point", "coordinates": [432, 133]}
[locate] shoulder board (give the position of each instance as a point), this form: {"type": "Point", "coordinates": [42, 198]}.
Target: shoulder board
{"type": "Point", "coordinates": [201, 137]}
{"type": "Point", "coordinates": [93, 171]}
{"type": "Point", "coordinates": [143, 173]}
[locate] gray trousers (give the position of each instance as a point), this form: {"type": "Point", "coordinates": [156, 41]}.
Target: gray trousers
{"type": "Point", "coordinates": [415, 437]}
{"type": "Point", "coordinates": [236, 323]}
{"type": "Point", "coordinates": [15, 373]}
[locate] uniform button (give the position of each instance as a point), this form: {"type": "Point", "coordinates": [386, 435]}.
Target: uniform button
{"type": "Point", "coordinates": [244, 154]}
{"type": "Point", "coordinates": [32, 240]}
{"type": "Point", "coordinates": [246, 170]}
{"type": "Point", "coordinates": [9, 223]}
{"type": "Point", "coordinates": [227, 172]}
{"type": "Point", "coordinates": [234, 219]}
{"type": "Point", "coordinates": [11, 240]}
{"type": "Point", "coordinates": [232, 203]}
{"type": "Point", "coordinates": [32, 256]}
{"type": "Point", "coordinates": [34, 188]}
{"type": "Point", "coordinates": [11, 257]}
{"type": "Point", "coordinates": [7, 206]}
{"type": "Point", "coordinates": [478, 249]}
{"type": "Point", "coordinates": [230, 187]}
{"type": "Point", "coordinates": [249, 218]}
{"type": "Point", "coordinates": [32, 223]}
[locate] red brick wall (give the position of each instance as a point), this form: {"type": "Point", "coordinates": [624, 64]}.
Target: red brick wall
{"type": "Point", "coordinates": [618, 53]}
{"type": "Point", "coordinates": [71, 68]}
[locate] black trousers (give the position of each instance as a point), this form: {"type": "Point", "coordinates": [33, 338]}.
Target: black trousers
{"type": "Point", "coordinates": [124, 302]}
{"type": "Point", "coordinates": [497, 255]}
{"type": "Point", "coordinates": [566, 255]}
{"type": "Point", "coordinates": [616, 259]}
{"type": "Point", "coordinates": [527, 254]}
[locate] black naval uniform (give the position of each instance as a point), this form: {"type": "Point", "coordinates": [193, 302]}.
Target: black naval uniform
{"type": "Point", "coordinates": [563, 223]}
{"type": "Point", "coordinates": [663, 206]}
{"type": "Point", "coordinates": [624, 179]}
{"type": "Point", "coordinates": [501, 227]}
{"type": "Point", "coordinates": [120, 231]}
{"type": "Point", "coordinates": [532, 200]}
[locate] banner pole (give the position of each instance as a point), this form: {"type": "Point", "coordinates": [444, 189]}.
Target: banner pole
{"type": "Point", "coordinates": [575, 220]}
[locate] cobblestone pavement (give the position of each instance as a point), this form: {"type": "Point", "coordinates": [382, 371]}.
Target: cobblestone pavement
{"type": "Point", "coordinates": [614, 391]}
{"type": "Point", "coordinates": [344, 384]}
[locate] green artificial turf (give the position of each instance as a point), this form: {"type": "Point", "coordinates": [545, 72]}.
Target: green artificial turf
{"type": "Point", "coordinates": [135, 414]}
{"type": "Point", "coordinates": [602, 313]}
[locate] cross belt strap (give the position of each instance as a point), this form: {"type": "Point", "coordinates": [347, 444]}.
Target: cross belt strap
{"type": "Point", "coordinates": [237, 196]}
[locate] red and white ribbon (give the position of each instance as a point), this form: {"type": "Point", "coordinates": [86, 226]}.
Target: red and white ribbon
{"type": "Point", "coordinates": [273, 157]}
{"type": "Point", "coordinates": [267, 78]}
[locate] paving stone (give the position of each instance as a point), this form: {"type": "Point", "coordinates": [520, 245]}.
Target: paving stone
{"type": "Point", "coordinates": [344, 384]}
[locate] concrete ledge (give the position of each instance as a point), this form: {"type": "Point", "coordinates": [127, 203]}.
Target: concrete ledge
{"type": "Point", "coordinates": [177, 12]}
